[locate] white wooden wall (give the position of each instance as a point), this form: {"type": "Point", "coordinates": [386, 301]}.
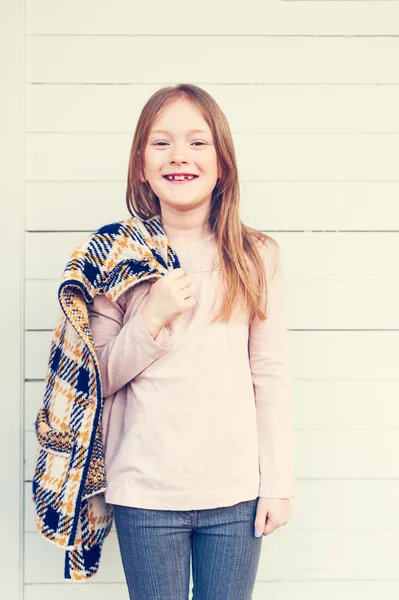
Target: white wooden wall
{"type": "Point", "coordinates": [311, 90]}
{"type": "Point", "coordinates": [11, 297]}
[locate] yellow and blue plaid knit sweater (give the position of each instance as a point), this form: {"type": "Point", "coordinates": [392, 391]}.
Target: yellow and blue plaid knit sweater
{"type": "Point", "coordinates": [69, 479]}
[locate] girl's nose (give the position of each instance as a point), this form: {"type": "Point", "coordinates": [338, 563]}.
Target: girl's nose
{"type": "Point", "coordinates": [179, 154]}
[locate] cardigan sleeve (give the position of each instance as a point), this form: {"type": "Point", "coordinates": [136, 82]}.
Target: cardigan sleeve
{"type": "Point", "coordinates": [123, 350]}
{"type": "Point", "coordinates": [270, 368]}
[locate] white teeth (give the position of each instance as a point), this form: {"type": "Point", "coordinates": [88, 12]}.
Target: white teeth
{"type": "Point", "coordinates": [179, 177]}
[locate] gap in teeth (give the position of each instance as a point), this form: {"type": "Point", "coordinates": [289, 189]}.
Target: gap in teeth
{"type": "Point", "coordinates": [179, 177]}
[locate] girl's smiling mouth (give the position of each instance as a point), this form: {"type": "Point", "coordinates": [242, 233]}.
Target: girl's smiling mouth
{"type": "Point", "coordinates": [179, 178]}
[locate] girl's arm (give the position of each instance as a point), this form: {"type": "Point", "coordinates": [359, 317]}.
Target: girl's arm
{"type": "Point", "coordinates": [269, 361]}
{"type": "Point", "coordinates": [123, 351]}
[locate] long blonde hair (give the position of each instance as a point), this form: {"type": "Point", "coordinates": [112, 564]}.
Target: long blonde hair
{"type": "Point", "coordinates": [244, 282]}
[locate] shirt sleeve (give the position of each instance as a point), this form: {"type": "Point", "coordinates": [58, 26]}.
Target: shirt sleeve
{"type": "Point", "coordinates": [270, 367]}
{"type": "Point", "coordinates": [123, 350]}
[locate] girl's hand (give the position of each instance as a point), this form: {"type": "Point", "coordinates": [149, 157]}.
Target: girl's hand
{"type": "Point", "coordinates": [169, 297]}
{"type": "Point", "coordinates": [271, 513]}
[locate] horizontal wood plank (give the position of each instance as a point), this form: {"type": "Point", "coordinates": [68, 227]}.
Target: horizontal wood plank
{"type": "Point", "coordinates": [342, 505]}
{"type": "Point", "coordinates": [267, 205]}
{"type": "Point", "coordinates": [298, 555]}
{"type": "Point", "coordinates": [272, 157]}
{"type": "Point", "coordinates": [315, 304]}
{"type": "Point", "coordinates": [274, 108]}
{"type": "Point", "coordinates": [329, 355]}
{"type": "Point", "coordinates": [304, 255]}
{"type": "Point", "coordinates": [89, 590]}
{"type": "Point", "coordinates": [260, 17]}
{"type": "Point", "coordinates": [319, 454]}
{"type": "Point", "coordinates": [348, 404]}
{"type": "Point", "coordinates": [228, 59]}
{"type": "Point", "coordinates": [278, 590]}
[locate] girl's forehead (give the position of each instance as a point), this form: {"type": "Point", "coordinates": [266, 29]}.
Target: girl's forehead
{"type": "Point", "coordinates": [181, 116]}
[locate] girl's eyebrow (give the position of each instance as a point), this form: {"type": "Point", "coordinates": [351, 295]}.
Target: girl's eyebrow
{"type": "Point", "coordinates": [188, 131]}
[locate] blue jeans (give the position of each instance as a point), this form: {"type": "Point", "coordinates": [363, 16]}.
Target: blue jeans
{"type": "Point", "coordinates": [156, 548]}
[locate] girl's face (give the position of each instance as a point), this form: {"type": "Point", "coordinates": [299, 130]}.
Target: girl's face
{"type": "Point", "coordinates": [174, 147]}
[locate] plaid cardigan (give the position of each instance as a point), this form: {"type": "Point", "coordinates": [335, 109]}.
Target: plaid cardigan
{"type": "Point", "coordinates": [69, 479]}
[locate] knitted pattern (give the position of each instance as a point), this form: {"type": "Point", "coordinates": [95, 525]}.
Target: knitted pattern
{"type": "Point", "coordinates": [69, 479]}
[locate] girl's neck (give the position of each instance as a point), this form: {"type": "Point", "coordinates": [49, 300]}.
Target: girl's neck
{"type": "Point", "coordinates": [187, 236]}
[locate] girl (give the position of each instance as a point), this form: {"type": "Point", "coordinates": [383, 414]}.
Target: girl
{"type": "Point", "coordinates": [197, 411]}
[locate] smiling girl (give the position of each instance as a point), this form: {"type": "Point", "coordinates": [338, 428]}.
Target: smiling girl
{"type": "Point", "coordinates": [195, 369]}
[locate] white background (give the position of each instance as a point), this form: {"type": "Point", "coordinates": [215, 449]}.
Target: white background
{"type": "Point", "coordinates": [311, 91]}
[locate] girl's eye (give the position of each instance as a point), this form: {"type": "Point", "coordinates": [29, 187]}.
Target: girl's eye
{"type": "Point", "coordinates": [157, 143]}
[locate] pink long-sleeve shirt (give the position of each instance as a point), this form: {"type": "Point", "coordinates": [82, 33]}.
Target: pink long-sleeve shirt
{"type": "Point", "coordinates": [200, 416]}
